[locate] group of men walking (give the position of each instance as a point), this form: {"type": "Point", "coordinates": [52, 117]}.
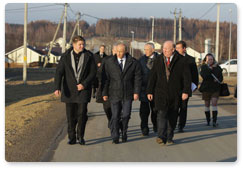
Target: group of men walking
{"type": "Point", "coordinates": [162, 83]}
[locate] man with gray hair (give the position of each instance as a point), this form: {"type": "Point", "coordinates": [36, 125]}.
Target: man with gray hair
{"type": "Point", "coordinates": [169, 82]}
{"type": "Point", "coordinates": [146, 106]}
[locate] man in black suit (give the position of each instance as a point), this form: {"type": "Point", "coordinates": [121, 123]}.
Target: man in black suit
{"type": "Point", "coordinates": [122, 85]}
{"type": "Point", "coordinates": [169, 82]}
{"type": "Point", "coordinates": [181, 49]}
{"type": "Point", "coordinates": [75, 73]}
{"type": "Point", "coordinates": [146, 106]}
{"type": "Point", "coordinates": [101, 76]}
{"type": "Point", "coordinates": [98, 56]}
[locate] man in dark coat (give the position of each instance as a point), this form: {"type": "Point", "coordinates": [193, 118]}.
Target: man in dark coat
{"type": "Point", "coordinates": [74, 75]}
{"type": "Point", "coordinates": [181, 49]}
{"type": "Point", "coordinates": [98, 56]}
{"type": "Point", "coordinates": [122, 85]}
{"type": "Point", "coordinates": [146, 106]}
{"type": "Point", "coordinates": [101, 77]}
{"type": "Point", "coordinates": [169, 82]}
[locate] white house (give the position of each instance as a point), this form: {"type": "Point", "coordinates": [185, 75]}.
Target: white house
{"type": "Point", "coordinates": [33, 55]}
{"type": "Point", "coordinates": [195, 54]}
{"type": "Point", "coordinates": [140, 45]}
{"type": "Point", "coordinates": [17, 55]}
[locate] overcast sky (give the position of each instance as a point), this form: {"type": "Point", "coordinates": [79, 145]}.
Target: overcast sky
{"type": "Point", "coordinates": [14, 12]}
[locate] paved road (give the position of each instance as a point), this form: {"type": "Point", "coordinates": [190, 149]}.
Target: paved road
{"type": "Point", "coordinates": [199, 143]}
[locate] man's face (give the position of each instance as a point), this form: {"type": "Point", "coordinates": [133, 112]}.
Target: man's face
{"type": "Point", "coordinates": [120, 51]}
{"type": "Point", "coordinates": [180, 49]}
{"type": "Point", "coordinates": [102, 49]}
{"type": "Point", "coordinates": [148, 50]}
{"type": "Point", "coordinates": [168, 49]}
{"type": "Point", "coordinates": [114, 50]}
{"type": "Point", "coordinates": [79, 46]}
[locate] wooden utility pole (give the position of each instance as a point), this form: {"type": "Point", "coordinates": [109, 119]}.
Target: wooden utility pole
{"type": "Point", "coordinates": [180, 28]}
{"type": "Point", "coordinates": [78, 29]}
{"type": "Point", "coordinates": [152, 28]}
{"type": "Point", "coordinates": [53, 40]}
{"type": "Point", "coordinates": [25, 43]}
{"type": "Point", "coordinates": [64, 29]}
{"type": "Point", "coordinates": [174, 39]}
{"type": "Point", "coordinates": [217, 35]}
{"type": "Point", "coordinates": [230, 11]}
{"type": "Point", "coordinates": [74, 30]}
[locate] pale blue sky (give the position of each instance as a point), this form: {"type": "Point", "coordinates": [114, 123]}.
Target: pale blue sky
{"type": "Point", "coordinates": [14, 12]}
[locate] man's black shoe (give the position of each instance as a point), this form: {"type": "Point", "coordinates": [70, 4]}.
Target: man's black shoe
{"type": "Point", "coordinates": [170, 142]}
{"type": "Point", "coordinates": [124, 138]}
{"type": "Point", "coordinates": [145, 131]}
{"type": "Point", "coordinates": [115, 141]}
{"type": "Point", "coordinates": [155, 129]}
{"type": "Point", "coordinates": [180, 130]}
{"type": "Point", "coordinates": [72, 142]}
{"type": "Point", "coordinates": [82, 142]}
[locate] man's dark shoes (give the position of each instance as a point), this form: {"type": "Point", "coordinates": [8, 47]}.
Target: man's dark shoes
{"type": "Point", "coordinates": [145, 131]}
{"type": "Point", "coordinates": [155, 129]}
{"type": "Point", "coordinates": [170, 142]}
{"type": "Point", "coordinates": [82, 142]}
{"type": "Point", "coordinates": [115, 141]}
{"type": "Point", "coordinates": [72, 142]}
{"type": "Point", "coordinates": [124, 138]}
{"type": "Point", "coordinates": [180, 130]}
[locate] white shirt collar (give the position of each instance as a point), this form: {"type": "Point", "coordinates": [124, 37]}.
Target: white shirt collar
{"type": "Point", "coordinates": [171, 57]}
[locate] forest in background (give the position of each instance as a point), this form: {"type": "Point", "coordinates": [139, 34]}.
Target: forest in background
{"type": "Point", "coordinates": [194, 32]}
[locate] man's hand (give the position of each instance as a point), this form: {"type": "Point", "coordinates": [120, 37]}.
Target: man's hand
{"type": "Point", "coordinates": [184, 96]}
{"type": "Point", "coordinates": [57, 93]}
{"type": "Point", "coordinates": [105, 98]}
{"type": "Point", "coordinates": [150, 97]}
{"type": "Point", "coordinates": [135, 97]}
{"type": "Point", "coordinates": [80, 87]}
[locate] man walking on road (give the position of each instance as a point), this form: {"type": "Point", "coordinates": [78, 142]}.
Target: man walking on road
{"type": "Point", "coordinates": [146, 106]}
{"type": "Point", "coordinates": [75, 73]}
{"type": "Point", "coordinates": [181, 49]}
{"type": "Point", "coordinates": [121, 86]}
{"type": "Point", "coordinates": [101, 77]}
{"type": "Point", "coordinates": [169, 82]}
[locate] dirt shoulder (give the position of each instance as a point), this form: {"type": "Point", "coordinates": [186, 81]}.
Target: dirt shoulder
{"type": "Point", "coordinates": [33, 117]}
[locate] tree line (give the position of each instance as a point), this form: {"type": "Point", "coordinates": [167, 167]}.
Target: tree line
{"type": "Point", "coordinates": [194, 32]}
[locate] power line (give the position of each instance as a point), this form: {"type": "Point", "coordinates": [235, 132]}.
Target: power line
{"type": "Point", "coordinates": [41, 10]}
{"type": "Point", "coordinates": [31, 7]}
{"type": "Point", "coordinates": [207, 11]}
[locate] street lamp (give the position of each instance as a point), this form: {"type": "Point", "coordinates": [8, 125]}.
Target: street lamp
{"type": "Point", "coordinates": [230, 11]}
{"type": "Point", "coordinates": [152, 27]}
{"type": "Point", "coordinates": [131, 49]}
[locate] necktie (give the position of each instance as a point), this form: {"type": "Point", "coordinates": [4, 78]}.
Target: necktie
{"type": "Point", "coordinates": [121, 64]}
{"type": "Point", "coordinates": [150, 63]}
{"type": "Point", "coordinates": [168, 62]}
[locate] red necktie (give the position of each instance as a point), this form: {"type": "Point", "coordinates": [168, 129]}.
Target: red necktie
{"type": "Point", "coordinates": [168, 62]}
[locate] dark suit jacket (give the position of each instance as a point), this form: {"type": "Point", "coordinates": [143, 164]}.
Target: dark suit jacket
{"type": "Point", "coordinates": [65, 78]}
{"type": "Point", "coordinates": [145, 76]}
{"type": "Point", "coordinates": [193, 69]}
{"type": "Point", "coordinates": [120, 85]}
{"type": "Point", "coordinates": [168, 93]}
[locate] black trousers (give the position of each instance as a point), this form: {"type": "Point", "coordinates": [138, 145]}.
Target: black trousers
{"type": "Point", "coordinates": [166, 124]}
{"type": "Point", "coordinates": [145, 109]}
{"type": "Point", "coordinates": [76, 118]}
{"type": "Point", "coordinates": [121, 111]}
{"type": "Point", "coordinates": [107, 109]}
{"type": "Point", "coordinates": [183, 113]}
